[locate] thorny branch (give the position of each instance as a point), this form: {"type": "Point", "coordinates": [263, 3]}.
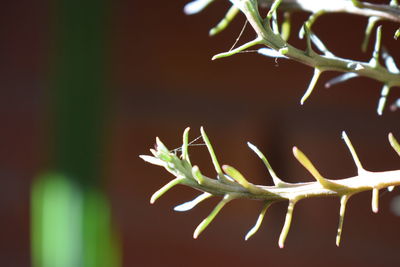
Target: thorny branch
{"type": "Point", "coordinates": [269, 34]}
{"type": "Point", "coordinates": [231, 184]}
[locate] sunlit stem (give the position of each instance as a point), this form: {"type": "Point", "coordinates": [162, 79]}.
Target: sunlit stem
{"type": "Point", "coordinates": [203, 225]}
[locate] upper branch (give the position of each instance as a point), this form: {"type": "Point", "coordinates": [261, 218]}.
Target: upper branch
{"type": "Point", "coordinates": [321, 59]}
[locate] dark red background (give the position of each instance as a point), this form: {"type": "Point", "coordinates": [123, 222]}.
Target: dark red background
{"type": "Point", "coordinates": [163, 81]}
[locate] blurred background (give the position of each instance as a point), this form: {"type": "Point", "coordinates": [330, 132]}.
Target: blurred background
{"type": "Point", "coordinates": [87, 86]}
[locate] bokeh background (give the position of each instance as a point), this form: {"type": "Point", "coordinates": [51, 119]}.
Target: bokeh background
{"type": "Point", "coordinates": [85, 87]}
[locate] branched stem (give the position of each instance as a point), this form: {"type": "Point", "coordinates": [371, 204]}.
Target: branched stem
{"type": "Point", "coordinates": [235, 185]}
{"type": "Point", "coordinates": [268, 34]}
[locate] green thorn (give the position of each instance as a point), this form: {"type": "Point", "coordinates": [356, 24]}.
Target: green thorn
{"type": "Point", "coordinates": [236, 175]}
{"type": "Point", "coordinates": [160, 146]}
{"type": "Point", "coordinates": [353, 153]}
{"type": "Point", "coordinates": [389, 62]}
{"type": "Point", "coordinates": [343, 203]}
{"type": "Point", "coordinates": [357, 3]}
{"type": "Point", "coordinates": [396, 34]}
{"type": "Point", "coordinates": [273, 9]}
{"type": "Point", "coordinates": [286, 226]}
{"type": "Point", "coordinates": [375, 200]}
{"type": "Point", "coordinates": [368, 30]}
{"type": "Point", "coordinates": [313, 82]}
{"type": "Point", "coordinates": [286, 26]}
{"type": "Point", "coordinates": [203, 225]}
{"type": "Point", "coordinates": [393, 142]}
{"type": "Point", "coordinates": [382, 100]}
{"type": "Point", "coordinates": [238, 49]}
{"type": "Point", "coordinates": [275, 178]}
{"type": "Point", "coordinates": [214, 159]}
{"type": "Point", "coordinates": [314, 172]}
{"type": "Point", "coordinates": [275, 27]}
{"type": "Point", "coordinates": [185, 145]}
{"type": "Point", "coordinates": [239, 178]}
{"type": "Point", "coordinates": [255, 228]}
{"type": "Point", "coordinates": [375, 55]}
{"type": "Point", "coordinates": [229, 16]}
{"type": "Point", "coordinates": [307, 32]}
{"type": "Point", "coordinates": [310, 21]}
{"type": "Point", "coordinates": [197, 175]}
{"type": "Point", "coordinates": [165, 188]}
